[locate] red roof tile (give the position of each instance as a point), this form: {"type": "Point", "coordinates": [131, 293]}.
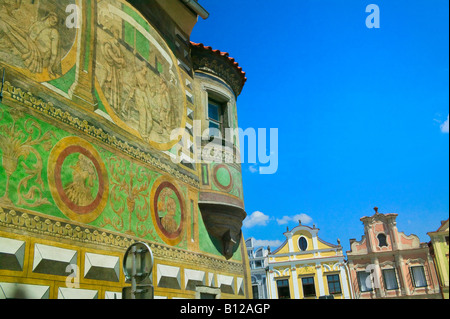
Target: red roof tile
{"type": "Point", "coordinates": [226, 55]}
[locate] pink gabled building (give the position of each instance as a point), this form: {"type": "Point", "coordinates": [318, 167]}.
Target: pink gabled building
{"type": "Point", "coordinates": [386, 263]}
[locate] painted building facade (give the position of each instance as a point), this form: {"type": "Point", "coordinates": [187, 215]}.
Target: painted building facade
{"type": "Point", "coordinates": [439, 248]}
{"type": "Point", "coordinates": [94, 91]}
{"type": "Point", "coordinates": [306, 267]}
{"type": "Point", "coordinates": [259, 264]}
{"type": "Point", "coordinates": [386, 263]}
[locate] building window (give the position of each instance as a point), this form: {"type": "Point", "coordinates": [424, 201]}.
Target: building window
{"type": "Point", "coordinates": [390, 279]}
{"type": "Point", "coordinates": [334, 284]}
{"type": "Point", "coordinates": [446, 240]}
{"type": "Point", "coordinates": [255, 292]}
{"type": "Point", "coordinates": [202, 292]}
{"type": "Point", "coordinates": [309, 289]}
{"type": "Point", "coordinates": [382, 240]}
{"type": "Point", "coordinates": [303, 244]}
{"type": "Point", "coordinates": [216, 118]}
{"type": "Point", "coordinates": [418, 276]}
{"type": "Point", "coordinates": [364, 281]}
{"type": "Point", "coordinates": [283, 289]}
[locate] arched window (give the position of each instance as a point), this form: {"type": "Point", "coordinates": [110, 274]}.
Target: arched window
{"type": "Point", "coordinates": [303, 244]}
{"type": "Point", "coordinates": [382, 240]}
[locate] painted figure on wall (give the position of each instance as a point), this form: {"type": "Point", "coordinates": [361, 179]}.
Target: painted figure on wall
{"type": "Point", "coordinates": [46, 37]}
{"type": "Point", "coordinates": [168, 221]}
{"type": "Point", "coordinates": [137, 74]}
{"type": "Point", "coordinates": [141, 94]}
{"type": "Point", "coordinates": [115, 63]}
{"type": "Point", "coordinates": [167, 210]}
{"type": "Point", "coordinates": [31, 36]}
{"type": "Point", "coordinates": [79, 191]}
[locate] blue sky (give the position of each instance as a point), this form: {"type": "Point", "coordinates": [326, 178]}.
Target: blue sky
{"type": "Point", "coordinates": [361, 112]}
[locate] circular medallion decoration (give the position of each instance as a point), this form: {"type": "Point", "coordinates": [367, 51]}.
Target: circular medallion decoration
{"type": "Point", "coordinates": [168, 211]}
{"type": "Point", "coordinates": [35, 38]}
{"type": "Point", "coordinates": [137, 76]}
{"type": "Point", "coordinates": [223, 177]}
{"type": "Point", "coordinates": [78, 179]}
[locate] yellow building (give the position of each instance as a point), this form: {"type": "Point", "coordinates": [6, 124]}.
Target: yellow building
{"type": "Point", "coordinates": [439, 250]}
{"type": "Point", "coordinates": [306, 267]}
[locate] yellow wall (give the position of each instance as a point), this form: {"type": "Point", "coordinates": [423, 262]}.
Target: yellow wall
{"type": "Point", "coordinates": [318, 263]}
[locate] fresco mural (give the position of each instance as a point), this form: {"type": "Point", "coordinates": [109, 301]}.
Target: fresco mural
{"type": "Point", "coordinates": [34, 37]}
{"type": "Point", "coordinates": [137, 76]}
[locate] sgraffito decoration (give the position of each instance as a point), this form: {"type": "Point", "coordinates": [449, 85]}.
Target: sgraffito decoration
{"type": "Point", "coordinates": [137, 78]}
{"type": "Point", "coordinates": [35, 40]}
{"type": "Point", "coordinates": [78, 179]}
{"type": "Point", "coordinates": [223, 177]}
{"type": "Point", "coordinates": [129, 198]}
{"type": "Point", "coordinates": [19, 140]}
{"type": "Point", "coordinates": [227, 178]}
{"type": "Point", "coordinates": [168, 211]}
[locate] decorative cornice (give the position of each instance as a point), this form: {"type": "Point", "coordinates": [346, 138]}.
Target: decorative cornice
{"type": "Point", "coordinates": [34, 223]}
{"type": "Point", "coordinates": [206, 59]}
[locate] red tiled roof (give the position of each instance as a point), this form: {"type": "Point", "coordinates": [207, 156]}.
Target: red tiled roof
{"type": "Point", "coordinates": [223, 54]}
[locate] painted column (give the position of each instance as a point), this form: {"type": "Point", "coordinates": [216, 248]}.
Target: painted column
{"type": "Point", "coordinates": [272, 285]}
{"type": "Point", "coordinates": [377, 278]}
{"type": "Point", "coordinates": [345, 281]}
{"type": "Point", "coordinates": [295, 283]}
{"type": "Point", "coordinates": [370, 244]}
{"type": "Point", "coordinates": [431, 268]}
{"type": "Point", "coordinates": [315, 243]}
{"type": "Point", "coordinates": [82, 90]}
{"type": "Point", "coordinates": [290, 243]}
{"type": "Point", "coordinates": [394, 235]}
{"type": "Point", "coordinates": [400, 266]}
{"type": "Point", "coordinates": [320, 279]}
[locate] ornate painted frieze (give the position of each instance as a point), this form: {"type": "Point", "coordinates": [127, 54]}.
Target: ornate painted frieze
{"type": "Point", "coordinates": [82, 234]}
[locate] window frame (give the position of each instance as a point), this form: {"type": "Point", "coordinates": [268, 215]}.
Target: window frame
{"type": "Point", "coordinates": [283, 287]}
{"type": "Point", "coordinates": [299, 246]}
{"type": "Point", "coordinates": [358, 276]}
{"type": "Point", "coordinates": [255, 287]}
{"type": "Point", "coordinates": [313, 285]}
{"type": "Point", "coordinates": [384, 271]}
{"type": "Point", "coordinates": [385, 244]}
{"type": "Point", "coordinates": [220, 122]}
{"type": "Point", "coordinates": [411, 269]}
{"type": "Point", "coordinates": [334, 282]}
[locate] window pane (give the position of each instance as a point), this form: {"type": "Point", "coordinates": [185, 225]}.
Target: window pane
{"type": "Point", "coordinates": [255, 292]}
{"type": "Point", "coordinates": [214, 129]}
{"type": "Point", "coordinates": [382, 240]}
{"type": "Point", "coordinates": [365, 283]}
{"type": "Point", "coordinates": [214, 125]}
{"type": "Point", "coordinates": [283, 289]}
{"type": "Point", "coordinates": [303, 244]}
{"type": "Point", "coordinates": [309, 288]}
{"type": "Point", "coordinates": [214, 112]}
{"type": "Point", "coordinates": [419, 277]}
{"type": "Point", "coordinates": [390, 279]}
{"type": "Point", "coordinates": [334, 284]}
